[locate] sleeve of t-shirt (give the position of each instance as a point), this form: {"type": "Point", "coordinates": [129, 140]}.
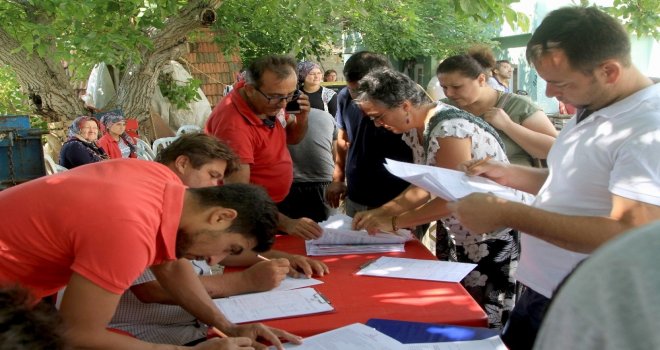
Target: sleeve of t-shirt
{"type": "Point", "coordinates": [341, 106]}
{"type": "Point", "coordinates": [116, 255]}
{"type": "Point", "coordinates": [636, 171]}
{"type": "Point", "coordinates": [520, 108]}
{"type": "Point", "coordinates": [332, 105]}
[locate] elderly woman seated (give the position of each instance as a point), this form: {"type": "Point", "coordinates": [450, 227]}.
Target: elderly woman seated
{"type": "Point", "coordinates": [81, 147]}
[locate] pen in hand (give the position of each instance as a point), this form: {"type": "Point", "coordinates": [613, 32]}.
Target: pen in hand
{"type": "Point", "coordinates": [297, 272]}
{"type": "Point", "coordinates": [218, 332]}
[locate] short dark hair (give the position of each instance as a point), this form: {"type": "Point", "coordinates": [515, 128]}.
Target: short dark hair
{"type": "Point", "coordinates": [498, 64]}
{"type": "Point", "coordinates": [587, 35]}
{"type": "Point", "coordinates": [390, 88]}
{"type": "Point", "coordinates": [283, 66]}
{"type": "Point", "coordinates": [26, 325]}
{"type": "Point", "coordinates": [328, 72]}
{"type": "Point", "coordinates": [200, 149]}
{"type": "Point", "coordinates": [478, 60]}
{"type": "Point", "coordinates": [363, 62]}
{"type": "Point", "coordinates": [257, 213]}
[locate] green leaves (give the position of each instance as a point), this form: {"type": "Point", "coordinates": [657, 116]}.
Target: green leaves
{"type": "Point", "coordinates": [179, 93]}
{"type": "Point", "coordinates": [640, 17]}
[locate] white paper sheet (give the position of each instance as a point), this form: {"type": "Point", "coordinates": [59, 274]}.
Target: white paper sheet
{"type": "Point", "coordinates": [492, 343]}
{"type": "Point", "coordinates": [451, 184]}
{"type": "Point", "coordinates": [337, 230]}
{"type": "Point", "coordinates": [290, 283]}
{"type": "Point", "coordinates": [418, 269]}
{"type": "Point", "coordinates": [352, 337]}
{"type": "Point", "coordinates": [343, 249]}
{"type": "Point", "coordinates": [273, 304]}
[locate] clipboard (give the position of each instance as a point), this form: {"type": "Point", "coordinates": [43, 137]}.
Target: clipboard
{"type": "Point", "coordinates": [408, 332]}
{"type": "Point", "coordinates": [273, 305]}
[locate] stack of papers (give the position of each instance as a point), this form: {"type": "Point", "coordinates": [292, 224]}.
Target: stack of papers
{"type": "Point", "coordinates": [417, 269]}
{"type": "Point", "coordinates": [338, 238]}
{"type": "Point", "coordinates": [360, 337]}
{"type": "Point", "coordinates": [451, 185]}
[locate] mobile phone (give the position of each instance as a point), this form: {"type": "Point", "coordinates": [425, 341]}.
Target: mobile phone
{"type": "Point", "coordinates": [293, 107]}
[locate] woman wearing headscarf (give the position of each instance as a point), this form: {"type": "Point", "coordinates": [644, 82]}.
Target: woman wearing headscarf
{"type": "Point", "coordinates": [309, 79]}
{"type": "Point", "coordinates": [116, 142]}
{"type": "Point", "coordinates": [80, 147]}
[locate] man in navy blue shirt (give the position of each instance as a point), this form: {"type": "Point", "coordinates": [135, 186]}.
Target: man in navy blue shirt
{"type": "Point", "coordinates": [362, 147]}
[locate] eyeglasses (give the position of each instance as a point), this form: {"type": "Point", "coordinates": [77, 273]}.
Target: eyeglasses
{"type": "Point", "coordinates": [278, 99]}
{"type": "Point", "coordinates": [377, 119]}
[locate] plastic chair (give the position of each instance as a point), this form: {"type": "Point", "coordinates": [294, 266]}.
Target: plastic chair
{"type": "Point", "coordinates": [187, 129]}
{"type": "Point", "coordinates": [144, 151]}
{"type": "Point", "coordinates": [162, 143]}
{"type": "Point", "coordinates": [51, 166]}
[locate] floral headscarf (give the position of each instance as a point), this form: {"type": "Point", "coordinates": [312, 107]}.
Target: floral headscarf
{"type": "Point", "coordinates": [304, 68]}
{"type": "Point", "coordinates": [74, 130]}
{"type": "Point", "coordinates": [110, 118]}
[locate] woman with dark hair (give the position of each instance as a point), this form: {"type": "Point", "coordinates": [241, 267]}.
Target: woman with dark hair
{"type": "Point", "coordinates": [525, 129]}
{"type": "Point", "coordinates": [443, 136]}
{"type": "Point", "coordinates": [116, 142]}
{"type": "Point", "coordinates": [80, 147]}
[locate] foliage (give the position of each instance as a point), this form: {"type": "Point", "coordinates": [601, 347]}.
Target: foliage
{"type": "Point", "coordinates": [12, 100]}
{"type": "Point", "coordinates": [400, 28]}
{"type": "Point", "coordinates": [180, 94]}
{"type": "Point", "coordinates": [639, 16]}
{"type": "Point", "coordinates": [84, 33]}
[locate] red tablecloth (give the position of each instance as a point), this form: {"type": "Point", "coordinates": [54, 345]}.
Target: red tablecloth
{"type": "Point", "coordinates": [359, 298]}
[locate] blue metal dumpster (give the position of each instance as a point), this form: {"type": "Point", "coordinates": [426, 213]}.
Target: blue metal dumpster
{"type": "Point", "coordinates": [21, 155]}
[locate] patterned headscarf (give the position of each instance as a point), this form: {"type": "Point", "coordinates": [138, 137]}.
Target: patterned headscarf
{"type": "Point", "coordinates": [74, 130]}
{"type": "Point", "coordinates": [110, 118]}
{"type": "Point", "coordinates": [304, 68]}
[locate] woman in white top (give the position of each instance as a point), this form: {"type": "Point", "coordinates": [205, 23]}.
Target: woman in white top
{"type": "Point", "coordinates": [443, 136]}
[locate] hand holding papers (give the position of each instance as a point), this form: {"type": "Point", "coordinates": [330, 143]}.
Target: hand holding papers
{"type": "Point", "coordinates": [451, 184]}
{"type": "Point", "coordinates": [339, 238]}
{"type": "Point", "coordinates": [430, 270]}
{"type": "Point", "coordinates": [273, 304]}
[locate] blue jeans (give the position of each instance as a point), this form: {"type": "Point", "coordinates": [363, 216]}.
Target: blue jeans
{"type": "Point", "coordinates": [525, 320]}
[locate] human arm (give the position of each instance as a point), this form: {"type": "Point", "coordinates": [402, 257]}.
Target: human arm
{"type": "Point", "coordinates": [336, 191]}
{"type": "Point", "coordinates": [297, 263]}
{"type": "Point", "coordinates": [259, 277]}
{"type": "Point", "coordinates": [181, 282]}
{"type": "Point", "coordinates": [523, 178]}
{"type": "Point", "coordinates": [413, 207]}
{"type": "Point", "coordinates": [241, 176]}
{"type": "Point", "coordinates": [87, 329]}
{"type": "Point", "coordinates": [484, 212]}
{"type": "Point", "coordinates": [535, 135]}
{"type": "Point", "coordinates": [304, 228]}
{"type": "Point", "coordinates": [296, 127]}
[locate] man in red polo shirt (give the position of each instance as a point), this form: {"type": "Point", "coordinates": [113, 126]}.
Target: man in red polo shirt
{"type": "Point", "coordinates": [96, 228]}
{"type": "Point", "coordinates": [251, 120]}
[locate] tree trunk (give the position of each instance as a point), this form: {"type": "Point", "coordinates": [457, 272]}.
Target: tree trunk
{"type": "Point", "coordinates": [52, 95]}
{"type": "Point", "coordinates": [44, 81]}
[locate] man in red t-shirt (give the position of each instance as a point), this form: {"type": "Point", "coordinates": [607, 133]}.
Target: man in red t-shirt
{"type": "Point", "coordinates": [96, 228]}
{"type": "Point", "coordinates": [251, 120]}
